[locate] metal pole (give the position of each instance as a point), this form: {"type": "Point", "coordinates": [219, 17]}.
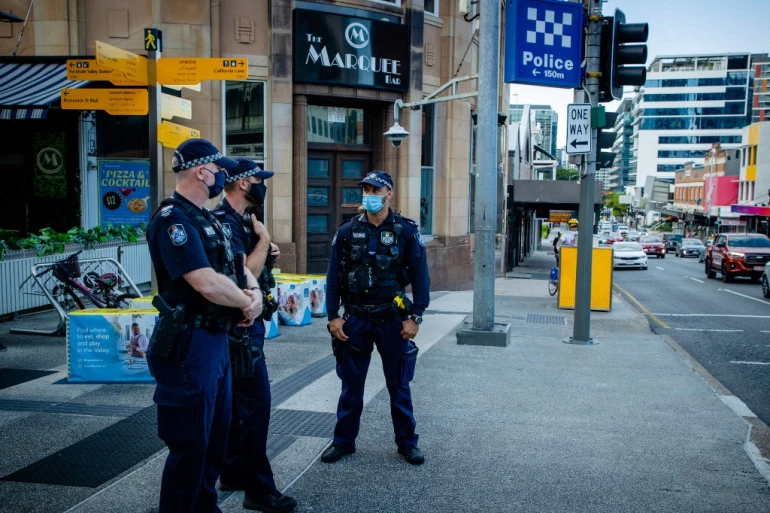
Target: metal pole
{"type": "Point", "coordinates": [485, 203]}
{"type": "Point", "coordinates": [582, 328]}
{"type": "Point", "coordinates": [156, 149]}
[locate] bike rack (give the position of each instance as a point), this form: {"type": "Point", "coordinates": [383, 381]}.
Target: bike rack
{"type": "Point", "coordinates": [45, 287]}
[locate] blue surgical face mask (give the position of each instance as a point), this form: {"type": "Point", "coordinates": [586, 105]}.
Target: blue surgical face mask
{"type": "Point", "coordinates": [373, 203]}
{"type": "Point", "coordinates": [219, 183]}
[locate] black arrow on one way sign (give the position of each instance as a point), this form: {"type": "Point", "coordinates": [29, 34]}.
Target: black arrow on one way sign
{"type": "Point", "coordinates": [575, 143]}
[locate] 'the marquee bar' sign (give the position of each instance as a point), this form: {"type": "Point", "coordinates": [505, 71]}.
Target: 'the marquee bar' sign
{"type": "Point", "coordinates": [345, 50]}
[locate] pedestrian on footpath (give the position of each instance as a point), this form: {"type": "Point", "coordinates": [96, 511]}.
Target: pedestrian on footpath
{"type": "Point", "coordinates": [247, 466]}
{"type": "Point", "coordinates": [198, 301]}
{"type": "Point", "coordinates": [374, 257]}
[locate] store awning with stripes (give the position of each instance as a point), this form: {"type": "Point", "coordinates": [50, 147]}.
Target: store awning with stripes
{"type": "Point", "coordinates": [28, 89]}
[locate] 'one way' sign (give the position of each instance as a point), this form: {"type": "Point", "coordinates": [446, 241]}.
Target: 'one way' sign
{"type": "Point", "coordinates": [578, 128]}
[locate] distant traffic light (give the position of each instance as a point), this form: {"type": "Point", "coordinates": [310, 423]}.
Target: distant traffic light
{"type": "Point", "coordinates": [620, 57]}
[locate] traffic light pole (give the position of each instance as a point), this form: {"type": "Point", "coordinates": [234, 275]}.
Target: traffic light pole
{"type": "Point", "coordinates": [581, 333]}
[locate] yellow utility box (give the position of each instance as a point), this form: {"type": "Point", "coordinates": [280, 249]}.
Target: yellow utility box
{"type": "Point", "coordinates": [601, 278]}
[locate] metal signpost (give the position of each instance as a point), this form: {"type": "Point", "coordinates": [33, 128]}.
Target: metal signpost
{"type": "Point", "coordinates": [544, 43]}
{"type": "Point", "coordinates": [579, 128]}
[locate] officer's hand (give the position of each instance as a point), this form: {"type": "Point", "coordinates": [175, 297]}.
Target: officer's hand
{"type": "Point", "coordinates": [259, 229]}
{"type": "Point", "coordinates": [335, 328]}
{"type": "Point", "coordinates": [252, 311]}
{"type": "Point", "coordinates": [410, 329]}
{"type": "Point", "coordinates": [275, 251]}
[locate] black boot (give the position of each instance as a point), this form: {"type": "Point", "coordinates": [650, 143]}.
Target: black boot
{"type": "Point", "coordinates": [273, 503]}
{"type": "Point", "coordinates": [412, 455]}
{"type": "Point", "coordinates": [335, 453]}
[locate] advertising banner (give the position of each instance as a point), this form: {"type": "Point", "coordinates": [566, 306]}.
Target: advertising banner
{"type": "Point", "coordinates": [124, 192]}
{"type": "Point", "coordinates": [109, 345]}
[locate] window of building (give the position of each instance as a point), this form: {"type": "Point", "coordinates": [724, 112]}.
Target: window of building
{"type": "Point", "coordinates": [122, 136]}
{"type": "Point", "coordinates": [431, 7]}
{"type": "Point", "coordinates": [427, 173]}
{"type": "Point", "coordinates": [397, 3]}
{"type": "Point", "coordinates": [336, 125]}
{"type": "Point", "coordinates": [245, 120]}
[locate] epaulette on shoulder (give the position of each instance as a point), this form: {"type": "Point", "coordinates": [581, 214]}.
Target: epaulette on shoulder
{"type": "Point", "coordinates": [343, 223]}
{"type": "Point", "coordinates": [407, 220]}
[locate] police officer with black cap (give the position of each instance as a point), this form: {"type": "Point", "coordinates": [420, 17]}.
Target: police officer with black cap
{"type": "Point", "coordinates": [374, 257]}
{"type": "Point", "coordinates": [247, 466]}
{"type": "Point", "coordinates": [198, 302]}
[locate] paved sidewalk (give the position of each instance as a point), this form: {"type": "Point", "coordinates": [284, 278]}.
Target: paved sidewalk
{"type": "Point", "coordinates": [625, 425]}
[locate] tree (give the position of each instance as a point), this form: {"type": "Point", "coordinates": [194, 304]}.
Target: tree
{"type": "Point", "coordinates": [566, 174]}
{"type": "Point", "coordinates": [612, 200]}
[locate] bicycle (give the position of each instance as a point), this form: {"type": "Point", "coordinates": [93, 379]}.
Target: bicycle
{"type": "Point", "coordinates": [101, 290]}
{"type": "Point", "coordinates": [553, 280]}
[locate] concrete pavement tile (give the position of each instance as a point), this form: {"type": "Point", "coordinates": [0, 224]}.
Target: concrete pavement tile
{"type": "Point", "coordinates": [7, 417]}
{"type": "Point", "coordinates": [37, 498]}
{"type": "Point", "coordinates": [120, 395]}
{"type": "Point", "coordinates": [43, 389]}
{"type": "Point", "coordinates": [31, 438]}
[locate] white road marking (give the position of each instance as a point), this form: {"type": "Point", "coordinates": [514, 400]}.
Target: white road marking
{"type": "Point", "coordinates": [656, 267]}
{"type": "Point", "coordinates": [699, 281]}
{"type": "Point", "coordinates": [751, 363]}
{"type": "Point", "coordinates": [747, 297]}
{"type": "Point", "coordinates": [765, 332]}
{"type": "Point", "coordinates": [745, 316]}
{"type": "Point", "coordinates": [705, 329]}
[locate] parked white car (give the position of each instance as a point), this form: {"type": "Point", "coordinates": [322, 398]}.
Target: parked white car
{"type": "Point", "coordinates": [628, 255]}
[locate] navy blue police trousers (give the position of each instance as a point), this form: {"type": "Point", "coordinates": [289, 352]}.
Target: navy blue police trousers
{"type": "Point", "coordinates": [398, 356]}
{"type": "Point", "coordinates": [193, 395]}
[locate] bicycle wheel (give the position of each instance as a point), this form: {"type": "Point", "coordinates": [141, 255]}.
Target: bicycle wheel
{"type": "Point", "coordinates": [67, 299]}
{"type": "Point", "coordinates": [553, 287]}
{"type": "Point", "coordinates": [121, 300]}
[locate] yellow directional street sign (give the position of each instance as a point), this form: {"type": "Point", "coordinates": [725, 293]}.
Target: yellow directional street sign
{"type": "Point", "coordinates": [171, 107]}
{"type": "Point", "coordinates": [181, 71]}
{"type": "Point", "coordinates": [133, 66]}
{"type": "Point", "coordinates": [125, 102]}
{"type": "Point", "coordinates": [194, 87]}
{"type": "Point", "coordinates": [89, 69]}
{"type": "Point", "coordinates": [172, 135]}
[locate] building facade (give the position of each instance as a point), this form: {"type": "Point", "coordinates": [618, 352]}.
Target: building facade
{"type": "Point", "coordinates": [688, 103]}
{"type": "Point", "coordinates": [323, 77]}
{"type": "Point", "coordinates": [623, 174]}
{"type": "Point", "coordinates": [543, 119]}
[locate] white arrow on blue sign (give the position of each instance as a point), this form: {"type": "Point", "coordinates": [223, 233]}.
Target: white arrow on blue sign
{"type": "Point", "coordinates": [544, 43]}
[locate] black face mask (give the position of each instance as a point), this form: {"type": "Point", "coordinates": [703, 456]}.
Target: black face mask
{"type": "Point", "coordinates": [258, 192]}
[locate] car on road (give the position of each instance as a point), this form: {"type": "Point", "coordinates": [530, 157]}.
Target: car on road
{"type": "Point", "coordinates": [633, 236]}
{"type": "Point", "coordinates": [766, 282]}
{"type": "Point", "coordinates": [623, 229]}
{"type": "Point", "coordinates": [628, 255]}
{"type": "Point", "coordinates": [702, 251]}
{"type": "Point", "coordinates": [653, 245]}
{"type": "Point", "coordinates": [738, 254]}
{"type": "Point", "coordinates": [689, 248]}
{"type": "Point", "coordinates": [670, 239]}
{"type": "Point", "coordinates": [614, 237]}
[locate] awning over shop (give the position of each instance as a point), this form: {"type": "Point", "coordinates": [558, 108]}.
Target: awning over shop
{"type": "Point", "coordinates": [545, 195]}
{"type": "Point", "coordinates": [751, 210]}
{"type": "Point", "coordinates": [27, 89]}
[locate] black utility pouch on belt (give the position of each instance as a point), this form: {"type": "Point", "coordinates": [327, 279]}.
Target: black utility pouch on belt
{"type": "Point", "coordinates": [171, 322]}
{"type": "Point", "coordinates": [241, 353]}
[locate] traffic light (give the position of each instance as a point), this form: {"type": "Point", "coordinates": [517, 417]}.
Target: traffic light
{"type": "Point", "coordinates": [605, 140]}
{"type": "Point", "coordinates": [620, 57]}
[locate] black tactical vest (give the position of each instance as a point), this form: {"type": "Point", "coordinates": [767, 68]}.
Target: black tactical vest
{"type": "Point", "coordinates": [250, 239]}
{"type": "Point", "coordinates": [364, 276]}
{"type": "Point", "coordinates": [216, 244]}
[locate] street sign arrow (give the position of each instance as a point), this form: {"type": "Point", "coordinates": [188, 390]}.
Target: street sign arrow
{"type": "Point", "coordinates": [191, 70]}
{"type": "Point", "coordinates": [579, 128]}
{"type": "Point", "coordinates": [535, 72]}
{"type": "Point", "coordinates": [575, 143]}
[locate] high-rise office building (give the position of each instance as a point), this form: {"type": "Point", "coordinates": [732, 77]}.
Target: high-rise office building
{"type": "Point", "coordinates": [688, 103]}
{"type": "Point", "coordinates": [542, 115]}
{"type": "Point", "coordinates": [623, 171]}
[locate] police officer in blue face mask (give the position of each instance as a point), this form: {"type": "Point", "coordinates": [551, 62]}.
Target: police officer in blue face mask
{"type": "Point", "coordinates": [198, 302]}
{"type": "Point", "coordinates": [374, 257]}
{"type": "Point", "coordinates": [247, 466]}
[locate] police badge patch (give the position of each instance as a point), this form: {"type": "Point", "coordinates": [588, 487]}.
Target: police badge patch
{"type": "Point", "coordinates": [387, 238]}
{"type": "Point", "coordinates": [418, 236]}
{"type": "Point", "coordinates": [177, 234]}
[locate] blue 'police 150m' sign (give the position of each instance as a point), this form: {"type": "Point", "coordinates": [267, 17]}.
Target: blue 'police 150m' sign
{"type": "Point", "coordinates": [544, 43]}
{"type": "Point", "coordinates": [344, 50]}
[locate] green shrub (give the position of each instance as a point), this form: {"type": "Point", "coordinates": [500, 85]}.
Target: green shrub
{"type": "Point", "coordinates": [49, 241]}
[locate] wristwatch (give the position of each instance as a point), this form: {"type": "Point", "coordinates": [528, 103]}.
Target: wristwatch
{"type": "Point", "coordinates": [417, 319]}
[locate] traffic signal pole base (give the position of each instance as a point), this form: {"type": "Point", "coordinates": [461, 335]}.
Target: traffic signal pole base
{"type": "Point", "coordinates": [498, 336]}
{"type": "Point", "coordinates": [589, 342]}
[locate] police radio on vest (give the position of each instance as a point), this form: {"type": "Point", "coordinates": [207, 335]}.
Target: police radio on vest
{"type": "Point", "coordinates": [547, 61]}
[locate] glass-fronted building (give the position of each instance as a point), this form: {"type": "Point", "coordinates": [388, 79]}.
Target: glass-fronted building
{"type": "Point", "coordinates": [688, 103]}
{"type": "Point", "coordinates": [545, 117]}
{"type": "Point", "coordinates": [623, 171]}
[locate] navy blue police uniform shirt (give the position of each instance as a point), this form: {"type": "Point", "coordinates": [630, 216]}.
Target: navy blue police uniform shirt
{"type": "Point", "coordinates": [176, 247]}
{"type": "Point", "coordinates": [410, 244]}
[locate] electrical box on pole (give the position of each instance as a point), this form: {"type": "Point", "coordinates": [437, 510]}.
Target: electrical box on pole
{"type": "Point", "coordinates": [622, 56]}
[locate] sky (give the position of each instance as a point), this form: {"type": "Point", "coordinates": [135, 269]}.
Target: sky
{"type": "Point", "coordinates": [676, 27]}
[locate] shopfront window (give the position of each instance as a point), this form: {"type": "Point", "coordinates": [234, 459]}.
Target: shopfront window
{"type": "Point", "coordinates": [431, 7]}
{"type": "Point", "coordinates": [245, 120]}
{"type": "Point", "coordinates": [336, 125]}
{"type": "Point", "coordinates": [427, 172]}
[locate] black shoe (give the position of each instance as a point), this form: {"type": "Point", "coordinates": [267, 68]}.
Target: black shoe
{"type": "Point", "coordinates": [226, 485]}
{"type": "Point", "coordinates": [335, 453]}
{"type": "Point", "coordinates": [273, 503]}
{"type": "Point", "coordinates": [412, 455]}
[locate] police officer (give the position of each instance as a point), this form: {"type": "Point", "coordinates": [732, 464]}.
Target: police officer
{"type": "Point", "coordinates": [188, 354]}
{"type": "Point", "coordinates": [247, 466]}
{"type": "Point", "coordinates": [373, 257]}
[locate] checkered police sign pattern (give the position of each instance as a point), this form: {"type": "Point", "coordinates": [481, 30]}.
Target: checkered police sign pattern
{"type": "Point", "coordinates": [549, 30]}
